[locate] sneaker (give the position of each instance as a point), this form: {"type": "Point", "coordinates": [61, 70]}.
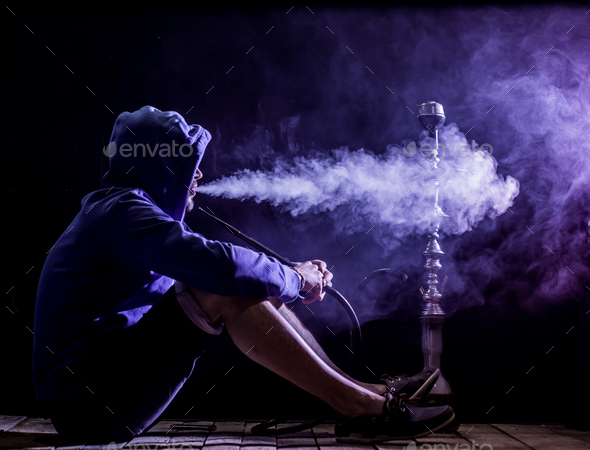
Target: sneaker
{"type": "Point", "coordinates": [416, 388]}
{"type": "Point", "coordinates": [399, 421]}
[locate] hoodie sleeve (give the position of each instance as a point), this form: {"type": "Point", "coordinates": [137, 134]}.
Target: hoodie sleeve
{"type": "Point", "coordinates": [145, 236]}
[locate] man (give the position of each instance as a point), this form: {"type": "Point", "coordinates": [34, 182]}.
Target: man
{"type": "Point", "coordinates": [129, 297]}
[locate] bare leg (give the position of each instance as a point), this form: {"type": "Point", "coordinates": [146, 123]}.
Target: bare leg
{"type": "Point", "coordinates": [294, 321]}
{"type": "Point", "coordinates": [265, 336]}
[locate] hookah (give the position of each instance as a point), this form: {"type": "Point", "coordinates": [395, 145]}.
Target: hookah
{"type": "Point", "coordinates": [431, 116]}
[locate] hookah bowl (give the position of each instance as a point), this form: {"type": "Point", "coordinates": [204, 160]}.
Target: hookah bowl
{"type": "Point", "coordinates": [431, 116]}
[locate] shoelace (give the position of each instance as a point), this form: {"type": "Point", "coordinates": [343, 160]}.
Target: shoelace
{"type": "Point", "coordinates": [386, 377]}
{"type": "Point", "coordinates": [395, 403]}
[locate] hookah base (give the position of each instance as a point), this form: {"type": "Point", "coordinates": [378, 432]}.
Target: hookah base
{"type": "Point", "coordinates": [440, 394]}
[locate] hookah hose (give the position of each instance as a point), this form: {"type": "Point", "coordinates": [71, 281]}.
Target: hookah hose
{"type": "Point", "coordinates": [263, 429]}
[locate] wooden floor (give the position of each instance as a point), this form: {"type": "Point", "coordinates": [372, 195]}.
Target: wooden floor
{"type": "Point", "coordinates": [32, 433]}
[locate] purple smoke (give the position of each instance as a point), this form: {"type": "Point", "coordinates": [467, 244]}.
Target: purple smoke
{"type": "Point", "coordinates": [393, 191]}
{"type": "Point", "coordinates": [517, 79]}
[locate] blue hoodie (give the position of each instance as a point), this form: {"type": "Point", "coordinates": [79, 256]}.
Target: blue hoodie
{"type": "Point", "coordinates": [129, 243]}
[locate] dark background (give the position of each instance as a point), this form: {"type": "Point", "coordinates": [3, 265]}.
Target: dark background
{"type": "Point", "coordinates": [55, 124]}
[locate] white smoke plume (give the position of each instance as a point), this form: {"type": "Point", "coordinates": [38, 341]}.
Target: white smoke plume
{"type": "Point", "coordinates": [393, 192]}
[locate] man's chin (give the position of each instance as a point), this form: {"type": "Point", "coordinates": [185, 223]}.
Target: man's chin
{"type": "Point", "coordinates": [190, 204]}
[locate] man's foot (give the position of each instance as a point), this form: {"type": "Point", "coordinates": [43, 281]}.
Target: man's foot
{"type": "Point", "coordinates": [378, 389]}
{"type": "Point", "coordinates": [399, 421]}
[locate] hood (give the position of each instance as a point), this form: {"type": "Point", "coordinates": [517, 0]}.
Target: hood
{"type": "Point", "coordinates": [158, 152]}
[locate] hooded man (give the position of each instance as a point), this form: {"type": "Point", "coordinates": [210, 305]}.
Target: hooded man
{"type": "Point", "coordinates": [129, 297]}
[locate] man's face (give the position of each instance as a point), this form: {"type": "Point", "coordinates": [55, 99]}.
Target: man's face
{"type": "Point", "coordinates": [190, 204]}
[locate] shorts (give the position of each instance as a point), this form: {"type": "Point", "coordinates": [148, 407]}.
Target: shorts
{"type": "Point", "coordinates": [133, 373]}
{"type": "Point", "coordinates": [192, 309]}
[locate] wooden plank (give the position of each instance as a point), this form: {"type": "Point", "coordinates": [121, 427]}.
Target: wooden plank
{"type": "Point", "coordinates": [324, 435]}
{"type": "Point", "coordinates": [395, 446]}
{"type": "Point", "coordinates": [328, 441]}
{"type": "Point", "coordinates": [323, 429]}
{"type": "Point", "coordinates": [292, 441]}
{"type": "Point", "coordinates": [300, 434]}
{"type": "Point", "coordinates": [7, 422]}
{"type": "Point", "coordinates": [325, 438]}
{"type": "Point", "coordinates": [395, 442]}
{"type": "Point", "coordinates": [302, 439]}
{"type": "Point", "coordinates": [34, 425]}
{"type": "Point", "coordinates": [249, 425]}
{"type": "Point", "coordinates": [566, 431]}
{"type": "Point", "coordinates": [454, 440]}
{"type": "Point", "coordinates": [207, 423]}
{"type": "Point", "coordinates": [164, 427]}
{"type": "Point", "coordinates": [259, 447]}
{"type": "Point", "coordinates": [221, 447]}
{"type": "Point", "coordinates": [482, 434]}
{"type": "Point", "coordinates": [147, 442]}
{"type": "Point", "coordinates": [184, 430]}
{"type": "Point", "coordinates": [309, 447]}
{"type": "Point", "coordinates": [229, 427]}
{"type": "Point", "coordinates": [264, 441]}
{"type": "Point", "coordinates": [257, 441]}
{"type": "Point", "coordinates": [109, 446]}
{"type": "Point", "coordinates": [223, 440]}
{"type": "Point", "coordinates": [194, 441]}
{"type": "Point", "coordinates": [226, 433]}
{"type": "Point", "coordinates": [199, 423]}
{"type": "Point", "coordinates": [345, 446]}
{"type": "Point", "coordinates": [541, 438]}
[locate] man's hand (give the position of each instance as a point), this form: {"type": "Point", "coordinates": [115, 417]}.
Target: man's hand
{"type": "Point", "coordinates": [316, 277]}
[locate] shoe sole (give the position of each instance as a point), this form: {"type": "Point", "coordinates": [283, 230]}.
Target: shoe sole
{"type": "Point", "coordinates": [426, 386]}
{"type": "Point", "coordinates": [357, 438]}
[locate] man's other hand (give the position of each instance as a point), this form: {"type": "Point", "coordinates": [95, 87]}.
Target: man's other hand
{"type": "Point", "coordinates": [316, 277]}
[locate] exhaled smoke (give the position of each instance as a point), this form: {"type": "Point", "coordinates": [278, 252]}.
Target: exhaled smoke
{"type": "Point", "coordinates": [394, 192]}
{"type": "Point", "coordinates": [515, 77]}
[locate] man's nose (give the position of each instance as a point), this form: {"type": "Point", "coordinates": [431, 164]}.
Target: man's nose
{"type": "Point", "coordinates": [198, 174]}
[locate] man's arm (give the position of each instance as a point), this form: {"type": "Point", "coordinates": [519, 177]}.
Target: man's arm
{"type": "Point", "coordinates": [144, 235]}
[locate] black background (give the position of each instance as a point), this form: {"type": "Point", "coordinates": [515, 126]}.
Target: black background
{"type": "Point", "coordinates": [56, 122]}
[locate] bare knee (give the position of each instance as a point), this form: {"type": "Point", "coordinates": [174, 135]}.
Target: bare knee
{"type": "Point", "coordinates": [276, 303]}
{"type": "Point", "coordinates": [213, 305]}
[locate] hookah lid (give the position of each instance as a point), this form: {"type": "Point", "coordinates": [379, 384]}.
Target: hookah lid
{"type": "Point", "coordinates": [431, 115]}
{"type": "Point", "coordinates": [431, 109]}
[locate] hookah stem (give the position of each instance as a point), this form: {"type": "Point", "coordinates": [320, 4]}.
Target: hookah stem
{"type": "Point", "coordinates": [436, 182]}
{"type": "Point", "coordinates": [254, 243]}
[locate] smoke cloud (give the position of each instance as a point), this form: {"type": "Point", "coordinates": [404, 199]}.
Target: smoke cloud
{"type": "Point", "coordinates": [335, 125]}
{"type": "Point", "coordinates": [394, 191]}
